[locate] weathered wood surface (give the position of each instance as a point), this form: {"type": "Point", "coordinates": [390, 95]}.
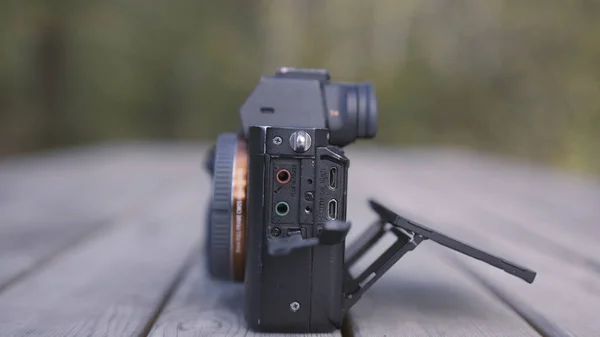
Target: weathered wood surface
{"type": "Point", "coordinates": [422, 295]}
{"type": "Point", "coordinates": [504, 213]}
{"type": "Point", "coordinates": [108, 242]}
{"type": "Point", "coordinates": [50, 203]}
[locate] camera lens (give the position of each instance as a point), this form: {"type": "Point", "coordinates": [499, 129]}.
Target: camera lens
{"type": "Point", "coordinates": [227, 209]}
{"type": "Point", "coordinates": [352, 112]}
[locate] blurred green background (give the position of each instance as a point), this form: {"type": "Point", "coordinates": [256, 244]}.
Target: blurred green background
{"type": "Point", "coordinates": [520, 78]}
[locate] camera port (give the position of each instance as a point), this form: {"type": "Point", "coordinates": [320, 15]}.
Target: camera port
{"type": "Point", "coordinates": [332, 209]}
{"type": "Point", "coordinates": [333, 178]}
{"type": "Point", "coordinates": [283, 176]}
{"type": "Point", "coordinates": [282, 208]}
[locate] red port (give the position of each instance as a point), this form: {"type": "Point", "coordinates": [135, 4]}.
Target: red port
{"type": "Point", "coordinates": [283, 176]}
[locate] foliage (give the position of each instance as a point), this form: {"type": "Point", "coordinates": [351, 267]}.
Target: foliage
{"type": "Point", "coordinates": [519, 77]}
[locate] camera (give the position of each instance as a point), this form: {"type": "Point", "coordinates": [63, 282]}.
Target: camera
{"type": "Point", "coordinates": [276, 220]}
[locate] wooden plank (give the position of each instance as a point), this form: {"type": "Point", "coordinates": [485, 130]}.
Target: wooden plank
{"type": "Point", "coordinates": [114, 284]}
{"type": "Point", "coordinates": [424, 296]}
{"type": "Point", "coordinates": [71, 200]}
{"type": "Point", "coordinates": [530, 190]}
{"type": "Point", "coordinates": [85, 186]}
{"type": "Point", "coordinates": [554, 189]}
{"type": "Point", "coordinates": [536, 222]}
{"type": "Point", "coordinates": [566, 294]}
{"type": "Point", "coordinates": [565, 297]}
{"type": "Point", "coordinates": [421, 295]}
{"type": "Point", "coordinates": [524, 220]}
{"type": "Point", "coordinates": [22, 249]}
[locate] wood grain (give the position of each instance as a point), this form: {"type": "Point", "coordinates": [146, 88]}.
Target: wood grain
{"type": "Point", "coordinates": [51, 204]}
{"type": "Point", "coordinates": [421, 295]}
{"type": "Point", "coordinates": [557, 201]}
{"type": "Point", "coordinates": [135, 276]}
{"type": "Point", "coordinates": [566, 291]}
{"type": "Point", "coordinates": [525, 219]}
{"type": "Point", "coordinates": [84, 187]}
{"type": "Point", "coordinates": [114, 284]}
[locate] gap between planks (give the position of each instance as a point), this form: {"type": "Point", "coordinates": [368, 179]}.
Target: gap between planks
{"type": "Point", "coordinates": [177, 281]}
{"type": "Point", "coordinates": [89, 233]}
{"type": "Point", "coordinates": [97, 187]}
{"type": "Point", "coordinates": [537, 321]}
{"type": "Point", "coordinates": [564, 290]}
{"type": "Point", "coordinates": [113, 284]}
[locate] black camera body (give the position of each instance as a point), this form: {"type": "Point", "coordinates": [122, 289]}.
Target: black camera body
{"type": "Point", "coordinates": [297, 183]}
{"type": "Point", "coordinates": [277, 216]}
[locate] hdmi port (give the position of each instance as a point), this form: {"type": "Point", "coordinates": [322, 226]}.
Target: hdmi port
{"type": "Point", "coordinates": [332, 209]}
{"type": "Point", "coordinates": [333, 178]}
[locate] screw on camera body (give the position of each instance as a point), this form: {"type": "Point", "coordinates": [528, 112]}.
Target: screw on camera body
{"type": "Point", "coordinates": [295, 306]}
{"type": "Point", "coordinates": [275, 232]}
